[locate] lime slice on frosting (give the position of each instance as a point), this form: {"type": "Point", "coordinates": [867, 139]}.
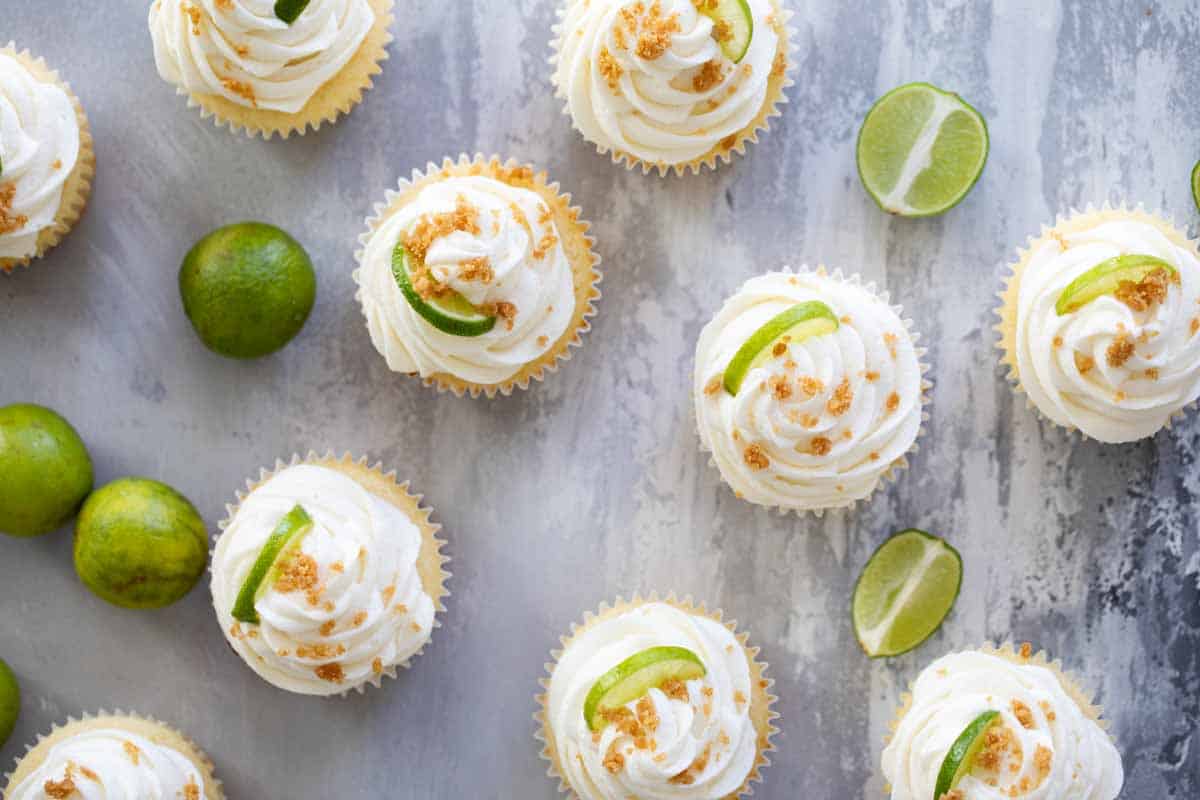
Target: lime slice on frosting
{"type": "Point", "coordinates": [450, 312]}
{"type": "Point", "coordinates": [1106, 277]}
{"type": "Point", "coordinates": [961, 756]}
{"type": "Point", "coordinates": [635, 676]}
{"type": "Point", "coordinates": [281, 545]}
{"type": "Point", "coordinates": [1196, 184]}
{"type": "Point", "coordinates": [801, 321]}
{"type": "Point", "coordinates": [733, 25]}
{"type": "Point", "coordinates": [290, 10]}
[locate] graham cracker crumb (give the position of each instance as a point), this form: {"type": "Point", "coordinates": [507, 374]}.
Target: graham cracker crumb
{"type": "Point", "coordinates": [59, 790]}
{"type": "Point", "coordinates": [429, 228]}
{"type": "Point", "coordinates": [820, 446]}
{"type": "Point", "coordinates": [688, 776]}
{"type": "Point", "coordinates": [9, 221]}
{"type": "Point", "coordinates": [337, 566]}
{"type": "Point", "coordinates": [890, 339]}
{"type": "Point", "coordinates": [1026, 651]}
{"type": "Point", "coordinates": [647, 716]}
{"type": "Point", "coordinates": [477, 269]}
{"type": "Point", "coordinates": [655, 38]}
{"type": "Point", "coordinates": [871, 375]}
{"type": "Point", "coordinates": [843, 396]}
{"type": "Point", "coordinates": [714, 384]}
{"type": "Point", "coordinates": [1120, 351]}
{"type": "Point", "coordinates": [195, 15]}
{"type": "Point", "coordinates": [1058, 341]}
{"type": "Point", "coordinates": [675, 689]}
{"type": "Point", "coordinates": [610, 69]}
{"type": "Point", "coordinates": [811, 386]}
{"type": "Point", "coordinates": [781, 387]}
{"type": "Point", "coordinates": [1152, 373]}
{"type": "Point", "coordinates": [755, 457]}
{"type": "Point", "coordinates": [709, 75]}
{"type": "Point", "coordinates": [1084, 363]}
{"type": "Point", "coordinates": [298, 574]}
{"type": "Point", "coordinates": [332, 673]}
{"type": "Point", "coordinates": [1195, 325]}
{"type": "Point", "coordinates": [1142, 295]}
{"type": "Point", "coordinates": [614, 762]}
{"type": "Point", "coordinates": [377, 666]}
{"type": "Point", "coordinates": [892, 402]}
{"type": "Point", "coordinates": [327, 627]}
{"type": "Point", "coordinates": [1047, 710]}
{"type": "Point", "coordinates": [1023, 714]}
{"type": "Point", "coordinates": [131, 750]}
{"type": "Point", "coordinates": [87, 773]}
{"type": "Point", "coordinates": [241, 89]}
{"type": "Point", "coordinates": [56, 164]}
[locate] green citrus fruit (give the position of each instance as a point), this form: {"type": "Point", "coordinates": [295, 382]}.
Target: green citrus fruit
{"type": "Point", "coordinates": [801, 321]}
{"type": "Point", "coordinates": [45, 470]}
{"type": "Point", "coordinates": [139, 544]}
{"type": "Point", "coordinates": [247, 289]}
{"type": "Point", "coordinates": [636, 675]}
{"type": "Point", "coordinates": [1196, 184]}
{"type": "Point", "coordinates": [961, 756]}
{"type": "Point", "coordinates": [10, 702]}
{"type": "Point", "coordinates": [281, 546]}
{"type": "Point", "coordinates": [1106, 277]}
{"type": "Point", "coordinates": [451, 313]}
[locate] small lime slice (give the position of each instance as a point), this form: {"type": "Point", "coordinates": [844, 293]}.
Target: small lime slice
{"type": "Point", "coordinates": [920, 150]}
{"type": "Point", "coordinates": [801, 321]}
{"type": "Point", "coordinates": [907, 588]}
{"type": "Point", "coordinates": [961, 756]}
{"type": "Point", "coordinates": [280, 546]}
{"type": "Point", "coordinates": [635, 676]}
{"type": "Point", "coordinates": [451, 313]}
{"type": "Point", "coordinates": [733, 26]}
{"type": "Point", "coordinates": [290, 10]}
{"type": "Point", "coordinates": [1106, 277]}
{"type": "Point", "coordinates": [1196, 184]}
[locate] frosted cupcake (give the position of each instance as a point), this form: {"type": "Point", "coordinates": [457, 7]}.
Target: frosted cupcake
{"type": "Point", "coordinates": [46, 158]}
{"type": "Point", "coordinates": [1035, 734]}
{"type": "Point", "coordinates": [328, 576]}
{"type": "Point", "coordinates": [113, 756]}
{"type": "Point", "coordinates": [1099, 321]}
{"type": "Point", "coordinates": [271, 67]}
{"type": "Point", "coordinates": [808, 390]}
{"type": "Point", "coordinates": [656, 699]}
{"type": "Point", "coordinates": [671, 84]}
{"type": "Point", "coordinates": [478, 276]}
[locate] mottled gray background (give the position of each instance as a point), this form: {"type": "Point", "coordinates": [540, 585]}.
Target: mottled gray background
{"type": "Point", "coordinates": [591, 485]}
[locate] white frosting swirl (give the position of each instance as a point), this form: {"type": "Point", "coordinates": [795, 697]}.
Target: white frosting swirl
{"type": "Point", "coordinates": [365, 610]}
{"type": "Point", "coordinates": [1064, 362]}
{"type": "Point", "coordinates": [641, 76]}
{"type": "Point", "coordinates": [1059, 753]}
{"type": "Point", "coordinates": [239, 49]}
{"type": "Point", "coordinates": [527, 268]}
{"type": "Point", "coordinates": [112, 764]}
{"type": "Point", "coordinates": [710, 736]}
{"type": "Point", "coordinates": [39, 145]}
{"type": "Point", "coordinates": [819, 425]}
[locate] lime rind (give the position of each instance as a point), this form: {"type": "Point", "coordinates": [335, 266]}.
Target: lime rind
{"type": "Point", "coordinates": [637, 675]}
{"type": "Point", "coordinates": [737, 16]}
{"type": "Point", "coordinates": [1106, 277]}
{"type": "Point", "coordinates": [284, 540]}
{"type": "Point", "coordinates": [290, 10]}
{"type": "Point", "coordinates": [961, 756]}
{"type": "Point", "coordinates": [798, 323]}
{"type": "Point", "coordinates": [1196, 185]}
{"type": "Point", "coordinates": [451, 313]}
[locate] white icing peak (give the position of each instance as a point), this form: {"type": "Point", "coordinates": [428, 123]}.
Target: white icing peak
{"type": "Point", "coordinates": [356, 606]}
{"type": "Point", "coordinates": [702, 747]}
{"type": "Point", "coordinates": [39, 147]}
{"type": "Point", "coordinates": [239, 49]}
{"type": "Point", "coordinates": [820, 424]}
{"type": "Point", "coordinates": [647, 77]}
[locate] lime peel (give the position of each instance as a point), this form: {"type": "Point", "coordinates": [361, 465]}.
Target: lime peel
{"type": "Point", "coordinates": [1106, 277]}
{"type": "Point", "coordinates": [451, 313]}
{"type": "Point", "coordinates": [636, 675]}
{"type": "Point", "coordinates": [797, 323]}
{"type": "Point", "coordinates": [1196, 184]}
{"type": "Point", "coordinates": [961, 755]}
{"type": "Point", "coordinates": [284, 539]}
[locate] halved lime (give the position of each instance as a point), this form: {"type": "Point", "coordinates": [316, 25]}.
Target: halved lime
{"type": "Point", "coordinates": [1106, 277]}
{"type": "Point", "coordinates": [961, 755]}
{"type": "Point", "coordinates": [1196, 184]}
{"type": "Point", "coordinates": [635, 676]}
{"type": "Point", "coordinates": [281, 544]}
{"type": "Point", "coordinates": [907, 588]}
{"type": "Point", "coordinates": [801, 321]}
{"type": "Point", "coordinates": [290, 10]}
{"type": "Point", "coordinates": [920, 150]}
{"type": "Point", "coordinates": [733, 25]}
{"type": "Point", "coordinates": [451, 313]}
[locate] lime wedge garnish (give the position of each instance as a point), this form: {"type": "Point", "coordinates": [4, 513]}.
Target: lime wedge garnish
{"type": "Point", "coordinates": [1106, 277]}
{"type": "Point", "coordinates": [281, 544]}
{"type": "Point", "coordinates": [733, 25]}
{"type": "Point", "coordinates": [920, 150]}
{"type": "Point", "coordinates": [961, 755]}
{"type": "Point", "coordinates": [290, 10]}
{"type": "Point", "coordinates": [1196, 184]}
{"type": "Point", "coordinates": [450, 313]}
{"type": "Point", "coordinates": [907, 588]}
{"type": "Point", "coordinates": [635, 676]}
{"type": "Point", "coordinates": [801, 321]}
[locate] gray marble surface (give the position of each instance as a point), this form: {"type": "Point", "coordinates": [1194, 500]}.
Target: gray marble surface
{"type": "Point", "coordinates": [591, 485]}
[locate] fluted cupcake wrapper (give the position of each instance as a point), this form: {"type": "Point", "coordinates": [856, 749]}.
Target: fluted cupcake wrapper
{"type": "Point", "coordinates": [892, 473]}
{"type": "Point", "coordinates": [147, 727]}
{"type": "Point", "coordinates": [573, 233]}
{"type": "Point", "coordinates": [78, 186]}
{"type": "Point", "coordinates": [762, 714]}
{"type": "Point", "coordinates": [431, 561]}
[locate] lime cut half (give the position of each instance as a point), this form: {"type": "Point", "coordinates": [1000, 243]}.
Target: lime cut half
{"type": "Point", "coordinates": [920, 150]}
{"type": "Point", "coordinates": [290, 10]}
{"type": "Point", "coordinates": [635, 676]}
{"type": "Point", "coordinates": [733, 25]}
{"type": "Point", "coordinates": [907, 588]}
{"type": "Point", "coordinates": [961, 756]}
{"type": "Point", "coordinates": [801, 321]}
{"type": "Point", "coordinates": [1106, 277]}
{"type": "Point", "coordinates": [281, 545]}
{"type": "Point", "coordinates": [1196, 184]}
{"type": "Point", "coordinates": [450, 313]}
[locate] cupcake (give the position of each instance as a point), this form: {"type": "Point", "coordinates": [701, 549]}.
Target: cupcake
{"type": "Point", "coordinates": [651, 699]}
{"type": "Point", "coordinates": [327, 576]}
{"type": "Point", "coordinates": [271, 67]}
{"type": "Point", "coordinates": [1098, 324]}
{"type": "Point", "coordinates": [1045, 740]}
{"type": "Point", "coordinates": [478, 276]}
{"type": "Point", "coordinates": [113, 755]}
{"type": "Point", "coordinates": [808, 390]}
{"type": "Point", "coordinates": [46, 158]}
{"type": "Point", "coordinates": [671, 84]}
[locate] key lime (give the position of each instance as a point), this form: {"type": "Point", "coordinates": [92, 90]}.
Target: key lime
{"type": "Point", "coordinates": [45, 470]}
{"type": "Point", "coordinates": [733, 25]}
{"type": "Point", "coordinates": [635, 676]}
{"type": "Point", "coordinates": [10, 702]}
{"type": "Point", "coordinates": [247, 289]}
{"type": "Point", "coordinates": [290, 10]}
{"type": "Point", "coordinates": [907, 588]}
{"type": "Point", "coordinates": [1106, 277]}
{"type": "Point", "coordinates": [920, 150]}
{"type": "Point", "coordinates": [139, 544]}
{"type": "Point", "coordinates": [1196, 184]}
{"type": "Point", "coordinates": [450, 313]}
{"type": "Point", "coordinates": [281, 544]}
{"type": "Point", "coordinates": [961, 756]}
{"type": "Point", "coordinates": [801, 321]}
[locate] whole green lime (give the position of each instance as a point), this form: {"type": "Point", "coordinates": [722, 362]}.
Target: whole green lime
{"type": "Point", "coordinates": [247, 289]}
{"type": "Point", "coordinates": [45, 470]}
{"type": "Point", "coordinates": [139, 544]}
{"type": "Point", "coordinates": [10, 702]}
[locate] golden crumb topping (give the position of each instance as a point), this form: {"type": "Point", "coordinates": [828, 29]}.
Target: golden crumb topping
{"type": "Point", "coordinates": [708, 76]}
{"type": "Point", "coordinates": [1120, 350]}
{"type": "Point", "coordinates": [1084, 363]}
{"type": "Point", "coordinates": [132, 751]}
{"type": "Point", "coordinates": [811, 386]}
{"type": "Point", "coordinates": [843, 396]}
{"type": "Point", "coordinates": [477, 269]}
{"type": "Point", "coordinates": [428, 229]}
{"type": "Point", "coordinates": [675, 689]}
{"type": "Point", "coordinates": [1142, 295]}
{"type": "Point", "coordinates": [59, 790]}
{"type": "Point", "coordinates": [647, 716]}
{"type": "Point", "coordinates": [9, 221]}
{"type": "Point", "coordinates": [327, 627]}
{"type": "Point", "coordinates": [332, 673]}
{"type": "Point", "coordinates": [780, 386]}
{"type": "Point", "coordinates": [1023, 714]}
{"type": "Point", "coordinates": [655, 38]}
{"type": "Point", "coordinates": [756, 457]}
{"type": "Point", "coordinates": [614, 762]}
{"type": "Point", "coordinates": [241, 89]}
{"type": "Point", "coordinates": [892, 402]}
{"type": "Point", "coordinates": [377, 666]}
{"type": "Point", "coordinates": [1026, 651]}
{"type": "Point", "coordinates": [195, 15]}
{"type": "Point", "coordinates": [714, 385]}
{"type": "Point", "coordinates": [89, 774]}
{"type": "Point", "coordinates": [191, 791]}
{"type": "Point", "coordinates": [890, 339]}
{"type": "Point", "coordinates": [610, 68]}
{"type": "Point", "coordinates": [688, 776]}
{"type": "Point", "coordinates": [358, 619]}
{"type": "Point", "coordinates": [820, 446]}
{"type": "Point", "coordinates": [298, 574]}
{"type": "Point", "coordinates": [504, 310]}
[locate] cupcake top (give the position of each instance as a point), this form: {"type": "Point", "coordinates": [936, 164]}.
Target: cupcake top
{"type": "Point", "coordinates": [649, 78]}
{"type": "Point", "coordinates": [112, 763]}
{"type": "Point", "coordinates": [493, 247]}
{"type": "Point", "coordinates": [345, 605]}
{"type": "Point", "coordinates": [39, 146]}
{"type": "Point", "coordinates": [820, 416]}
{"type": "Point", "coordinates": [241, 51]}
{"type": "Point", "coordinates": [1120, 365]}
{"type": "Point", "coordinates": [1043, 747]}
{"type": "Point", "coordinates": [683, 739]}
